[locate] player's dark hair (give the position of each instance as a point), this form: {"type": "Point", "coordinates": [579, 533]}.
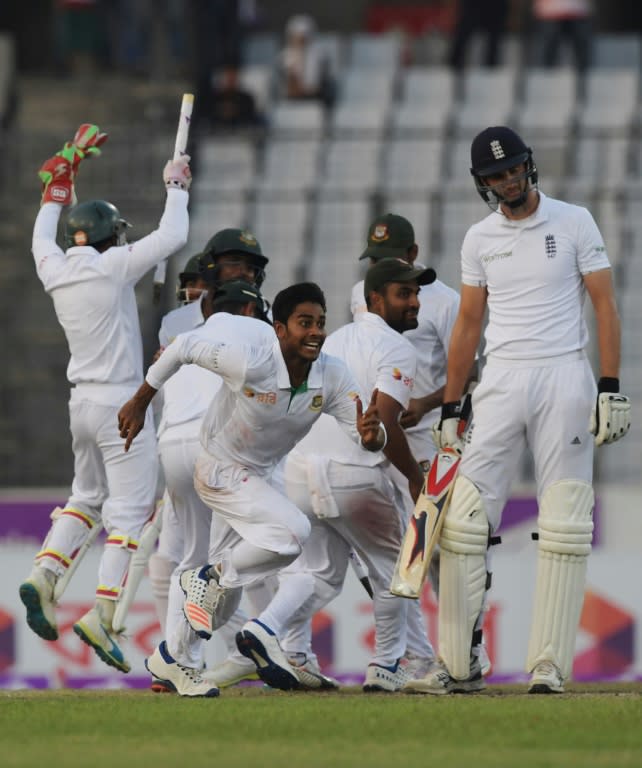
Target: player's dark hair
{"type": "Point", "coordinates": [287, 300]}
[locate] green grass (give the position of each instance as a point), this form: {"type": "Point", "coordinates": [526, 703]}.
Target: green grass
{"type": "Point", "coordinates": [255, 728]}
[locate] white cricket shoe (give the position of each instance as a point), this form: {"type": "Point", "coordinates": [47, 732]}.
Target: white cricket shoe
{"type": "Point", "coordinates": [231, 671]}
{"type": "Point", "coordinates": [309, 673]}
{"type": "Point", "coordinates": [200, 600]}
{"type": "Point", "coordinates": [484, 660]}
{"type": "Point", "coordinates": [256, 641]}
{"type": "Point", "coordinates": [418, 666]}
{"type": "Point", "coordinates": [36, 592]}
{"type": "Point", "coordinates": [438, 681]}
{"type": "Point", "coordinates": [546, 678]}
{"type": "Point", "coordinates": [385, 679]}
{"type": "Point", "coordinates": [169, 675]}
{"type": "Point", "coordinates": [207, 605]}
{"type": "Point", "coordinates": [97, 633]}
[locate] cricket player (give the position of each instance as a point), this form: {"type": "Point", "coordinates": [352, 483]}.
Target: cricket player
{"type": "Point", "coordinates": [229, 255]}
{"type": "Point", "coordinates": [273, 391]}
{"type": "Point", "coordinates": [92, 288]}
{"type": "Point", "coordinates": [532, 262]}
{"type": "Point", "coordinates": [392, 235]}
{"type": "Point", "coordinates": [350, 497]}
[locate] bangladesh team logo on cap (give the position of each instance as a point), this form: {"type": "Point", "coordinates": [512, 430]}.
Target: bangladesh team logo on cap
{"type": "Point", "coordinates": [247, 238]}
{"type": "Point", "coordinates": [380, 233]}
{"type": "Point", "coordinates": [80, 237]}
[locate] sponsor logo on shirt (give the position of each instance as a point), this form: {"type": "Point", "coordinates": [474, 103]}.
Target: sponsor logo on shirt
{"type": "Point", "coordinates": [268, 398]}
{"type": "Point", "coordinates": [317, 403]}
{"type": "Point", "coordinates": [490, 257]}
{"type": "Point", "coordinates": [397, 375]}
{"type": "Point", "coordinates": [551, 246]}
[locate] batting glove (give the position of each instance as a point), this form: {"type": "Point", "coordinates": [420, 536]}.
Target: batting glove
{"type": "Point", "coordinates": [611, 417]}
{"type": "Point", "coordinates": [177, 173]}
{"type": "Point", "coordinates": [447, 434]}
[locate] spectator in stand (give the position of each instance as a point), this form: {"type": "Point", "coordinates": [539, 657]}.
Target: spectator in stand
{"type": "Point", "coordinates": [487, 19]}
{"type": "Point", "coordinates": [559, 20]}
{"type": "Point", "coordinates": [304, 68]}
{"type": "Point", "coordinates": [228, 106]}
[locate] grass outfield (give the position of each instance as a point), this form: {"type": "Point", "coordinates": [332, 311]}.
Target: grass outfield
{"type": "Point", "coordinates": [592, 725]}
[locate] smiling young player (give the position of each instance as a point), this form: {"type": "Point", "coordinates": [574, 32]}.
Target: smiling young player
{"type": "Point", "coordinates": [273, 390]}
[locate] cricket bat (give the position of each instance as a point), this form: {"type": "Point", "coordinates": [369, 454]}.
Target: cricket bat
{"type": "Point", "coordinates": [425, 525]}
{"type": "Point", "coordinates": [180, 147]}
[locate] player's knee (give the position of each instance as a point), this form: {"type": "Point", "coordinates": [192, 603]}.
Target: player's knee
{"type": "Point", "coordinates": [566, 518]}
{"type": "Point", "coordinates": [466, 527]}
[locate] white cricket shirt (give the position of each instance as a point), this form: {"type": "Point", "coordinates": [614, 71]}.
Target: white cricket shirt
{"type": "Point", "coordinates": [438, 308]}
{"type": "Point", "coordinates": [378, 357]}
{"type": "Point", "coordinates": [256, 417]}
{"type": "Point", "coordinates": [94, 299]}
{"type": "Point", "coordinates": [188, 393]}
{"type": "Point", "coordinates": [533, 271]}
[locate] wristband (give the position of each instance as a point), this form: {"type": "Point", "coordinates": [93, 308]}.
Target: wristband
{"type": "Point", "coordinates": [608, 384]}
{"type": "Point", "coordinates": [450, 410]}
{"type": "Point", "coordinates": [382, 428]}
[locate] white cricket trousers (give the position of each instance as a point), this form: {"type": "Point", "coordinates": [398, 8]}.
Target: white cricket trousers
{"type": "Point", "coordinates": [248, 509]}
{"type": "Point", "coordinates": [108, 484]}
{"type": "Point", "coordinates": [544, 406]}
{"type": "Point", "coordinates": [368, 519]}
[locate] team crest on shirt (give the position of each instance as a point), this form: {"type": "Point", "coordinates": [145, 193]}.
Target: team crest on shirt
{"type": "Point", "coordinates": [316, 404]}
{"type": "Point", "coordinates": [397, 375]}
{"type": "Point", "coordinates": [551, 246]}
{"type": "Point", "coordinates": [380, 233]}
{"type": "Point", "coordinates": [248, 392]}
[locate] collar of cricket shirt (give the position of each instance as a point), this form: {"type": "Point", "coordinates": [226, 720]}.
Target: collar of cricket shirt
{"type": "Point", "coordinates": [315, 374]}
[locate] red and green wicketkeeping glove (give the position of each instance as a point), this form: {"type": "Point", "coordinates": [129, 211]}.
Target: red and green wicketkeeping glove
{"type": "Point", "coordinates": [59, 172]}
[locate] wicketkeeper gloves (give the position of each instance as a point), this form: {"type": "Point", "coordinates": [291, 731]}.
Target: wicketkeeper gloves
{"type": "Point", "coordinates": [59, 172]}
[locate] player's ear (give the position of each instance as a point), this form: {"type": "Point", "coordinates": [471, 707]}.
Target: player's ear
{"type": "Point", "coordinates": [280, 329]}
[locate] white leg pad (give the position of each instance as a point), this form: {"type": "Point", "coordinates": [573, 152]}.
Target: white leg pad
{"type": "Point", "coordinates": [565, 533]}
{"type": "Point", "coordinates": [462, 576]}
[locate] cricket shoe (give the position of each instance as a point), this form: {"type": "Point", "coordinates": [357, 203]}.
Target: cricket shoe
{"type": "Point", "coordinates": [207, 605]}
{"type": "Point", "coordinates": [418, 666]}
{"type": "Point", "coordinates": [257, 642]}
{"type": "Point", "coordinates": [484, 660]}
{"type": "Point", "coordinates": [309, 673]}
{"type": "Point", "coordinates": [91, 630]}
{"type": "Point", "coordinates": [385, 679]}
{"type": "Point", "coordinates": [231, 671]}
{"type": "Point", "coordinates": [438, 681]}
{"type": "Point", "coordinates": [546, 678]}
{"type": "Point", "coordinates": [168, 675]}
{"type": "Point", "coordinates": [36, 592]}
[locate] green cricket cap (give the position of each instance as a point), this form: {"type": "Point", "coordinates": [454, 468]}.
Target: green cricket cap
{"type": "Point", "coordinates": [389, 236]}
{"type": "Point", "coordinates": [395, 270]}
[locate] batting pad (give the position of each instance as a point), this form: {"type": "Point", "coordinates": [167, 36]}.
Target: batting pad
{"type": "Point", "coordinates": [565, 532]}
{"type": "Point", "coordinates": [462, 576]}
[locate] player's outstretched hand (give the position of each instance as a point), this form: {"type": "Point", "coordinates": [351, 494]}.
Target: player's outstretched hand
{"type": "Point", "coordinates": [369, 424]}
{"type": "Point", "coordinates": [177, 173]}
{"type": "Point", "coordinates": [611, 417]}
